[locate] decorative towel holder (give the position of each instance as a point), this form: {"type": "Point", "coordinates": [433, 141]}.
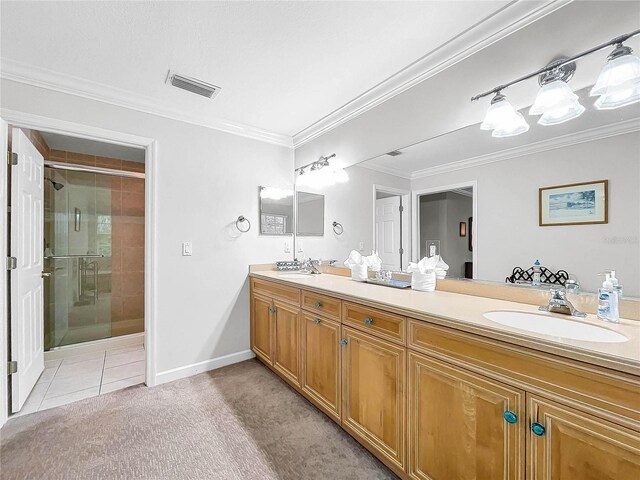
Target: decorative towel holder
{"type": "Point", "coordinates": [337, 228]}
{"type": "Point", "coordinates": [241, 219]}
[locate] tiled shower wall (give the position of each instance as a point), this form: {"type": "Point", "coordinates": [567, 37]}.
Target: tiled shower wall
{"type": "Point", "coordinates": [127, 240]}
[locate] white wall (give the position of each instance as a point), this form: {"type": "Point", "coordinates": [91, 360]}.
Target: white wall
{"type": "Point", "coordinates": [508, 234]}
{"type": "Point", "coordinates": [350, 204]}
{"type": "Point", "coordinates": [205, 180]}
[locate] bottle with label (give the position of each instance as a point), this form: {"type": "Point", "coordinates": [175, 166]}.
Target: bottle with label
{"type": "Point", "coordinates": [536, 274]}
{"type": "Point", "coordinates": [616, 285]}
{"type": "Point", "coordinates": [608, 302]}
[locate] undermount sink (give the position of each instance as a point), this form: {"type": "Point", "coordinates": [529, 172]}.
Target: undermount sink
{"type": "Point", "coordinates": [294, 275]}
{"type": "Point", "coordinates": [556, 327]}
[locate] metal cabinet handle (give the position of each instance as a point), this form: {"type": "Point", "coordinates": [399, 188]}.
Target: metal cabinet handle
{"type": "Point", "coordinates": [537, 429]}
{"type": "Point", "coordinates": [45, 274]}
{"type": "Point", "coordinates": [510, 417]}
{"type": "Point", "coordinates": [318, 304]}
{"type": "Point", "coordinates": [343, 342]}
{"type": "Point", "coordinates": [317, 321]}
{"type": "Point", "coordinates": [368, 321]}
{"type": "Point", "coordinates": [272, 309]}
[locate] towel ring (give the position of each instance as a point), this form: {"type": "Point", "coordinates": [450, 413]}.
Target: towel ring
{"type": "Point", "coordinates": [338, 229]}
{"type": "Point", "coordinates": [240, 220]}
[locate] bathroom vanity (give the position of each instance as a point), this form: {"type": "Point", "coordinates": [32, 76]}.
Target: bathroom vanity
{"type": "Point", "coordinates": [438, 392]}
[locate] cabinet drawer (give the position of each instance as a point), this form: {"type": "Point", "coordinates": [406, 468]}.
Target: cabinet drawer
{"type": "Point", "coordinates": [316, 303]}
{"type": "Point", "coordinates": [383, 324]}
{"type": "Point", "coordinates": [276, 290]}
{"type": "Point", "coordinates": [608, 394]}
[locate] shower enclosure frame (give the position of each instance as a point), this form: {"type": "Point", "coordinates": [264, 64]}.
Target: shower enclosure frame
{"type": "Point", "coordinates": [62, 127]}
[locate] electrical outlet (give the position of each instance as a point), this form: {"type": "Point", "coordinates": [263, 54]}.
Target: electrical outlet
{"type": "Point", "coordinates": [299, 244]}
{"type": "Point", "coordinates": [361, 246]}
{"type": "Point", "coordinates": [287, 247]}
{"type": "Point", "coordinates": [187, 249]}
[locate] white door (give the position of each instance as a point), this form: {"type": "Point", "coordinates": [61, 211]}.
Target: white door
{"type": "Point", "coordinates": [388, 238]}
{"type": "Point", "coordinates": [27, 245]}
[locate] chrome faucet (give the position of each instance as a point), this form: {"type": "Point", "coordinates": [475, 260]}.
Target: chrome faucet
{"type": "Point", "coordinates": [309, 266]}
{"type": "Point", "coordinates": [558, 303]}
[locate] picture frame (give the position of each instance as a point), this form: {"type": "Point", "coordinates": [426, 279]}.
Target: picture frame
{"type": "Point", "coordinates": [585, 203]}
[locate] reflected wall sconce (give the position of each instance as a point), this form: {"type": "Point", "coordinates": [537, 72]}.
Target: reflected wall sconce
{"type": "Point", "coordinates": [618, 85]}
{"type": "Point", "coordinates": [320, 174]}
{"type": "Point", "coordinates": [463, 229]}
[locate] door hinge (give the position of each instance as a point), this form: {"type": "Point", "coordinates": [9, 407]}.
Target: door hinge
{"type": "Point", "coordinates": [12, 263]}
{"type": "Point", "coordinates": [401, 208]}
{"type": "Point", "coordinates": [14, 159]}
{"type": "Point", "coordinates": [401, 250]}
{"type": "Point", "coordinates": [12, 367]}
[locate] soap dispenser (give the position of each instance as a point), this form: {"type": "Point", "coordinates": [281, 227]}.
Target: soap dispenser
{"type": "Point", "coordinates": [608, 302]}
{"type": "Point", "coordinates": [616, 284]}
{"type": "Point", "coordinates": [536, 274]}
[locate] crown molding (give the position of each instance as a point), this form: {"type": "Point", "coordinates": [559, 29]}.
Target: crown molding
{"type": "Point", "coordinates": [502, 23]}
{"type": "Point", "coordinates": [60, 82]}
{"type": "Point", "coordinates": [597, 133]}
{"type": "Point", "coordinates": [382, 169]}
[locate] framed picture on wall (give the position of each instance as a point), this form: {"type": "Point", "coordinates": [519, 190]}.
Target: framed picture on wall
{"type": "Point", "coordinates": [574, 204]}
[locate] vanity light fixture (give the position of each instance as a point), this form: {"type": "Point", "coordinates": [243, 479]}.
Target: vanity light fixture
{"type": "Point", "coordinates": [555, 100]}
{"type": "Point", "coordinates": [320, 174]}
{"type": "Point", "coordinates": [272, 193]}
{"type": "Point", "coordinates": [503, 119]}
{"type": "Point", "coordinates": [617, 86]}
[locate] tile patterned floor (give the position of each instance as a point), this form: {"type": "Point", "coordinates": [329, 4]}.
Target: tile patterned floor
{"type": "Point", "coordinates": [76, 378]}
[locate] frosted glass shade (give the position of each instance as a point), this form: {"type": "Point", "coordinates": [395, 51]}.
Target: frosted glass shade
{"type": "Point", "coordinates": [504, 120]}
{"type": "Point", "coordinates": [624, 70]}
{"type": "Point", "coordinates": [616, 97]}
{"type": "Point", "coordinates": [561, 115]}
{"type": "Point", "coordinates": [556, 95]}
{"type": "Point", "coordinates": [516, 126]}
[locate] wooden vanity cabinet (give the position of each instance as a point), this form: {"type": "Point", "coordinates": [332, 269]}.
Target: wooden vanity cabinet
{"type": "Point", "coordinates": [438, 403]}
{"type": "Point", "coordinates": [462, 425]}
{"type": "Point", "coordinates": [275, 328]}
{"type": "Point", "coordinates": [565, 444]}
{"type": "Point", "coordinates": [373, 393]}
{"type": "Point", "coordinates": [321, 363]}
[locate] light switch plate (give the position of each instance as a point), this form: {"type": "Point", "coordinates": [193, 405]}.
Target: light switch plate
{"type": "Point", "coordinates": [361, 246]}
{"type": "Point", "coordinates": [187, 249]}
{"type": "Point", "coordinates": [299, 244]}
{"type": "Point", "coordinates": [287, 247]}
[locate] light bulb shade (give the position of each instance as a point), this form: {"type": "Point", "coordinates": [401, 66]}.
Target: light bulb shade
{"type": "Point", "coordinates": [553, 96]}
{"type": "Point", "coordinates": [273, 193]}
{"type": "Point", "coordinates": [516, 126]}
{"type": "Point", "coordinates": [341, 176]}
{"type": "Point", "coordinates": [616, 97]}
{"type": "Point", "coordinates": [561, 115]}
{"type": "Point", "coordinates": [623, 70]}
{"type": "Point", "coordinates": [499, 112]}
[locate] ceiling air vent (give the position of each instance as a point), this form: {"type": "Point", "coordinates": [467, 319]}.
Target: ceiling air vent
{"type": "Point", "coordinates": [192, 85]}
{"type": "Point", "coordinates": [395, 153]}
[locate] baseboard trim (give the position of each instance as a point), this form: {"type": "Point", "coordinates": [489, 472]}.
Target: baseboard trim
{"type": "Point", "coordinates": [200, 367]}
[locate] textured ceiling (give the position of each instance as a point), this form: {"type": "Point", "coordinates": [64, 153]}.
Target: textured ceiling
{"type": "Point", "coordinates": [281, 65]}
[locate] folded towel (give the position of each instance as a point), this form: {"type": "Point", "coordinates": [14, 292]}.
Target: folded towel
{"type": "Point", "coordinates": [434, 266]}
{"type": "Point", "coordinates": [358, 265]}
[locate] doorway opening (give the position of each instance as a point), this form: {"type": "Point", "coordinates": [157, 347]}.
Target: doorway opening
{"type": "Point", "coordinates": [77, 292]}
{"type": "Point", "coordinates": [391, 227]}
{"type": "Point", "coordinates": [445, 226]}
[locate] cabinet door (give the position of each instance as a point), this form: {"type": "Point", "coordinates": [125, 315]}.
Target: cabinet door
{"type": "Point", "coordinates": [262, 327]}
{"type": "Point", "coordinates": [565, 444]}
{"type": "Point", "coordinates": [321, 362]}
{"type": "Point", "coordinates": [286, 354]}
{"type": "Point", "coordinates": [373, 393]}
{"type": "Point", "coordinates": [459, 426]}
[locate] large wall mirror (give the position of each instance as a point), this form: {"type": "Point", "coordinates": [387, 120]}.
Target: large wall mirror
{"type": "Point", "coordinates": [276, 211]}
{"type": "Point", "coordinates": [478, 201]}
{"type": "Point", "coordinates": [309, 214]}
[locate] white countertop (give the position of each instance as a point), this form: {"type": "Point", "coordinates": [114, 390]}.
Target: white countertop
{"type": "Point", "coordinates": [465, 312]}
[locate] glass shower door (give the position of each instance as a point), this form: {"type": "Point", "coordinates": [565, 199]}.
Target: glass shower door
{"type": "Point", "coordinates": [78, 230]}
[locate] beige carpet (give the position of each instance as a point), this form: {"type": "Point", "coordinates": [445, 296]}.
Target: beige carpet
{"type": "Point", "coordinates": [239, 422]}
